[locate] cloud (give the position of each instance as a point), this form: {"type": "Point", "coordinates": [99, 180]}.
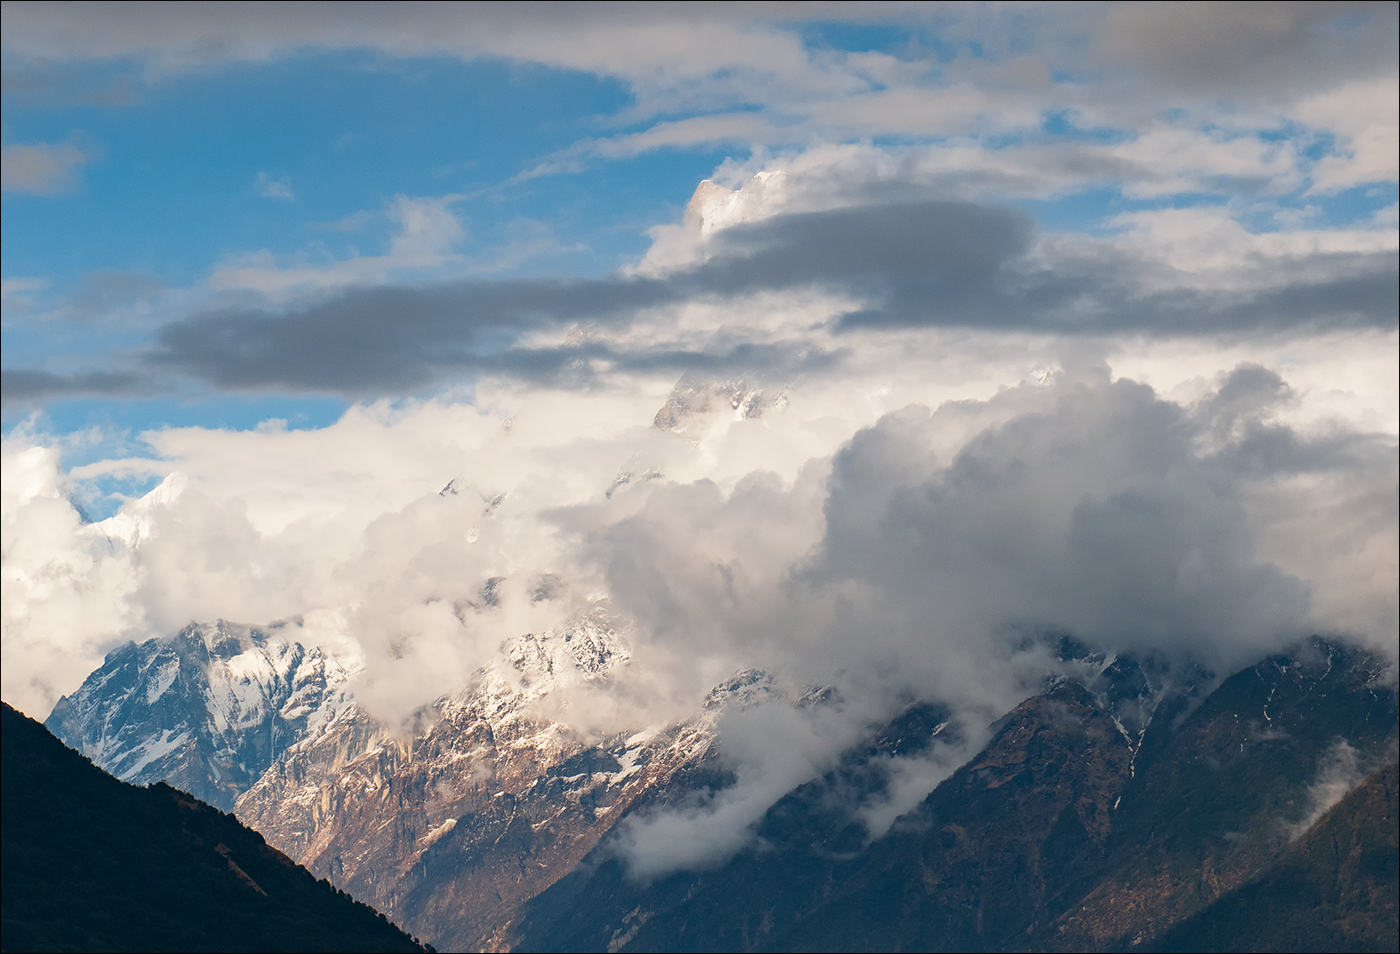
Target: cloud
{"type": "Point", "coordinates": [901, 526]}
{"type": "Point", "coordinates": [1363, 116]}
{"type": "Point", "coordinates": [1234, 77]}
{"type": "Point", "coordinates": [103, 294]}
{"type": "Point", "coordinates": [924, 558]}
{"type": "Point", "coordinates": [426, 236]}
{"type": "Point", "coordinates": [950, 539]}
{"type": "Point", "coordinates": [772, 748]}
{"type": "Point", "coordinates": [790, 271]}
{"type": "Point", "coordinates": [920, 263]}
{"type": "Point", "coordinates": [1212, 48]}
{"type": "Point", "coordinates": [64, 601]}
{"type": "Point", "coordinates": [41, 168]}
{"type": "Point", "coordinates": [29, 386]}
{"type": "Point", "coordinates": [1339, 771]}
{"type": "Point", "coordinates": [270, 188]}
{"type": "Point", "coordinates": [616, 39]}
{"type": "Point", "coordinates": [17, 291]}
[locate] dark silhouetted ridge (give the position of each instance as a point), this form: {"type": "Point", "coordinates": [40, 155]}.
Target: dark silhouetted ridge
{"type": "Point", "coordinates": [94, 864]}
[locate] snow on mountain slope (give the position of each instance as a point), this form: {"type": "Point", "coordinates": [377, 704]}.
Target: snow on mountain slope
{"type": "Point", "coordinates": [207, 709]}
{"type": "Point", "coordinates": [457, 822]}
{"type": "Point", "coordinates": [131, 526]}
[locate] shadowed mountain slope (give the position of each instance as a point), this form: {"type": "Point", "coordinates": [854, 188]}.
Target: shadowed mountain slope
{"type": "Point", "coordinates": [1069, 831]}
{"type": "Point", "coordinates": [1336, 890]}
{"type": "Point", "coordinates": [92, 863]}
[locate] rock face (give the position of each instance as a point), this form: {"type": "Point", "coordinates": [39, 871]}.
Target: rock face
{"type": "Point", "coordinates": [207, 710]}
{"type": "Point", "coordinates": [693, 403]}
{"type": "Point", "coordinates": [1218, 798]}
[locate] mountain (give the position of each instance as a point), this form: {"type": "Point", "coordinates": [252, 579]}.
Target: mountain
{"type": "Point", "coordinates": [1218, 798]}
{"type": "Point", "coordinates": [1121, 802]}
{"type": "Point", "coordinates": [456, 827]}
{"type": "Point", "coordinates": [1335, 890]}
{"type": "Point", "coordinates": [207, 710]}
{"type": "Point", "coordinates": [1066, 832]}
{"type": "Point", "coordinates": [96, 864]}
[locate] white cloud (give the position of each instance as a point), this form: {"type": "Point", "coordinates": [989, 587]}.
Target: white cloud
{"type": "Point", "coordinates": [40, 168]}
{"type": "Point", "coordinates": [17, 292]}
{"type": "Point", "coordinates": [347, 519]}
{"type": "Point", "coordinates": [426, 236]}
{"type": "Point", "coordinates": [66, 598]}
{"type": "Point", "coordinates": [1363, 117]}
{"type": "Point", "coordinates": [270, 188]}
{"type": "Point", "coordinates": [746, 74]}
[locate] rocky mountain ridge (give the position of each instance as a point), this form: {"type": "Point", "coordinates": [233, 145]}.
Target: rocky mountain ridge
{"type": "Point", "coordinates": [1120, 801]}
{"type": "Point", "coordinates": [208, 709]}
{"type": "Point", "coordinates": [1061, 834]}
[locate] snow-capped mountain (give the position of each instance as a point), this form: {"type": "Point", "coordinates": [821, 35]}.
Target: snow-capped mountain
{"type": "Point", "coordinates": [208, 709]}
{"type": "Point", "coordinates": [131, 526]}
{"type": "Point", "coordinates": [695, 404]}
{"type": "Point", "coordinates": [488, 825]}
{"type": "Point", "coordinates": [465, 821]}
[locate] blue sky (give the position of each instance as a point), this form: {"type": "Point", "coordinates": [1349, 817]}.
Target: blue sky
{"type": "Point", "coordinates": [302, 158]}
{"type": "Point", "coordinates": [275, 273]}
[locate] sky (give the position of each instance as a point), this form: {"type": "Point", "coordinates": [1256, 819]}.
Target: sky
{"type": "Point", "coordinates": [870, 344]}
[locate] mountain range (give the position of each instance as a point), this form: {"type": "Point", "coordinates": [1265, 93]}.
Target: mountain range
{"type": "Point", "coordinates": [1124, 806]}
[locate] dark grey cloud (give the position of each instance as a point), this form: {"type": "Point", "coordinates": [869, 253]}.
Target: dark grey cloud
{"type": "Point", "coordinates": [20, 386]}
{"type": "Point", "coordinates": [915, 264]}
{"type": "Point", "coordinates": [377, 339]}
{"type": "Point", "coordinates": [1235, 422]}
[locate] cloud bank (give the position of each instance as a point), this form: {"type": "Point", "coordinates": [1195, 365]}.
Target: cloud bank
{"type": "Point", "coordinates": [860, 269]}
{"type": "Point", "coordinates": [920, 552]}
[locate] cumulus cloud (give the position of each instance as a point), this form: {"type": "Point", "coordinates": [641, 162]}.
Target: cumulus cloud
{"type": "Point", "coordinates": [857, 530]}
{"type": "Point", "coordinates": [1089, 506]}
{"type": "Point", "coordinates": [65, 600]}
